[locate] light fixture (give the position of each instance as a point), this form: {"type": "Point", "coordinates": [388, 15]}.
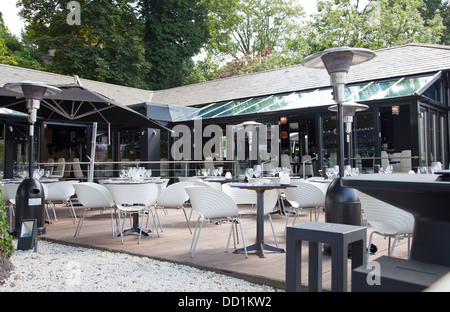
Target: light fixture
{"type": "Point", "coordinates": [395, 110]}
{"type": "Point", "coordinates": [349, 110]}
{"type": "Point", "coordinates": [283, 120]}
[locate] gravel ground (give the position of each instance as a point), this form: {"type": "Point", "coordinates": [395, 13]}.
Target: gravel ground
{"type": "Point", "coordinates": [62, 268]}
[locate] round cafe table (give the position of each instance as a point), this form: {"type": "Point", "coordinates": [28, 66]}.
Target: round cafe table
{"type": "Point", "coordinates": [260, 188]}
{"type": "Point", "coordinates": [426, 197]}
{"type": "Point", "coordinates": [135, 226]}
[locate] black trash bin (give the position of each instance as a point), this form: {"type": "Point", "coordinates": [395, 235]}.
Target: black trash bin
{"type": "Point", "coordinates": [30, 201]}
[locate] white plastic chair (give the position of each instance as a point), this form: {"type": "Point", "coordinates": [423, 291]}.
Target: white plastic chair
{"type": "Point", "coordinates": [285, 161]}
{"type": "Point", "coordinates": [213, 206]}
{"type": "Point", "coordinates": [386, 220]}
{"type": "Point", "coordinates": [58, 172]}
{"type": "Point", "coordinates": [405, 161]}
{"type": "Point", "coordinates": [174, 196]}
{"type": "Point", "coordinates": [306, 159]}
{"type": "Point", "coordinates": [270, 201]}
{"type": "Point", "coordinates": [384, 160]}
{"type": "Point", "coordinates": [135, 198]}
{"type": "Point", "coordinates": [240, 196]}
{"type": "Point", "coordinates": [61, 192]}
{"type": "Point", "coordinates": [77, 172]}
{"type": "Point", "coordinates": [93, 196]}
{"type": "Point", "coordinates": [7, 189]}
{"type": "Point", "coordinates": [304, 196]}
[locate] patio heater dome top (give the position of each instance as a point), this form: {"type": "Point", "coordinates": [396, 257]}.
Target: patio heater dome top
{"type": "Point", "coordinates": [249, 123]}
{"type": "Point", "coordinates": [32, 90]}
{"type": "Point", "coordinates": [349, 108]}
{"type": "Point", "coordinates": [338, 59]}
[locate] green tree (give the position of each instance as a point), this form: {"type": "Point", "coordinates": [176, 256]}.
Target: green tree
{"type": "Point", "coordinates": [175, 30]}
{"type": "Point", "coordinates": [5, 54]}
{"type": "Point", "coordinates": [251, 35]}
{"type": "Point", "coordinates": [382, 23]}
{"type": "Point", "coordinates": [105, 46]}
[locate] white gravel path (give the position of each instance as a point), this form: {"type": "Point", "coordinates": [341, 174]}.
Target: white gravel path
{"type": "Point", "coordinates": [62, 268]}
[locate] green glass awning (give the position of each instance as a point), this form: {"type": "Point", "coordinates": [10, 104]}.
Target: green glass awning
{"type": "Point", "coordinates": [374, 90]}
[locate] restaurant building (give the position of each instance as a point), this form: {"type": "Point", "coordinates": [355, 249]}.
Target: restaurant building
{"type": "Point", "coordinates": [406, 89]}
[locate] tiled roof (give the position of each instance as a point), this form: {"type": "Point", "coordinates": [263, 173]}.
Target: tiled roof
{"type": "Point", "coordinates": [120, 94]}
{"type": "Point", "coordinates": [411, 59]}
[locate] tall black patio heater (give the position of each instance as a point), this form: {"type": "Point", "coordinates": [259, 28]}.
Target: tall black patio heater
{"type": "Point", "coordinates": [342, 205]}
{"type": "Point", "coordinates": [30, 193]}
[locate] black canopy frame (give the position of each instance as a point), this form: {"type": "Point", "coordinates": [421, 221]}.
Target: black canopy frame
{"type": "Point", "coordinates": [77, 103]}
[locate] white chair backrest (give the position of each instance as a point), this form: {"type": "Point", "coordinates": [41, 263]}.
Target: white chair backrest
{"type": "Point", "coordinates": [59, 170]}
{"type": "Point", "coordinates": [136, 193]}
{"type": "Point", "coordinates": [405, 161]}
{"type": "Point", "coordinates": [4, 193]}
{"type": "Point", "coordinates": [215, 185]}
{"type": "Point", "coordinates": [77, 172]}
{"type": "Point", "coordinates": [60, 190]}
{"type": "Point", "coordinates": [285, 161]}
{"type": "Point", "coordinates": [384, 159]}
{"type": "Point", "coordinates": [174, 195]}
{"type": "Point", "coordinates": [384, 217]}
{"type": "Point", "coordinates": [239, 196]}
{"type": "Point", "coordinates": [211, 203]}
{"type": "Point", "coordinates": [270, 200]}
{"type": "Point", "coordinates": [51, 161]}
{"type": "Point", "coordinates": [11, 190]}
{"type": "Point", "coordinates": [305, 194]}
{"type": "Point", "coordinates": [308, 165]}
{"type": "Point", "coordinates": [93, 195]}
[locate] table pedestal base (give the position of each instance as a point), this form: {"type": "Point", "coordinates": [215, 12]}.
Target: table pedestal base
{"type": "Point", "coordinates": [259, 248]}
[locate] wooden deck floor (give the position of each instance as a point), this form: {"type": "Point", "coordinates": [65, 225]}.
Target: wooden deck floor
{"type": "Point", "coordinates": [174, 243]}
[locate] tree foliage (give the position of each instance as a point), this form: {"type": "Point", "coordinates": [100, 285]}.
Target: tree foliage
{"type": "Point", "coordinates": [381, 24]}
{"type": "Point", "coordinates": [151, 43]}
{"type": "Point", "coordinates": [106, 46]}
{"type": "Point", "coordinates": [175, 30]}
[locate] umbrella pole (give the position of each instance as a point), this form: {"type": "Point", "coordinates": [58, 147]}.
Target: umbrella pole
{"type": "Point", "coordinates": [92, 158]}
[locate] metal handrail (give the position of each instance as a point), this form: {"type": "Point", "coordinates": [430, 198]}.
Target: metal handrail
{"type": "Point", "coordinates": [140, 163]}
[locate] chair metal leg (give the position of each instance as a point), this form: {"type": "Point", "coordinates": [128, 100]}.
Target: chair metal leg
{"type": "Point", "coordinates": [243, 240]}
{"type": "Point", "coordinates": [273, 230]}
{"type": "Point", "coordinates": [78, 229]}
{"type": "Point", "coordinates": [47, 214]}
{"type": "Point", "coordinates": [72, 211]}
{"type": "Point", "coordinates": [194, 244]}
{"type": "Point", "coordinates": [54, 212]}
{"type": "Point", "coordinates": [187, 220]}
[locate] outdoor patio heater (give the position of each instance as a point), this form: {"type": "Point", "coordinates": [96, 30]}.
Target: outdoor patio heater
{"type": "Point", "coordinates": [349, 112]}
{"type": "Point", "coordinates": [30, 193]}
{"type": "Point", "coordinates": [342, 205]}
